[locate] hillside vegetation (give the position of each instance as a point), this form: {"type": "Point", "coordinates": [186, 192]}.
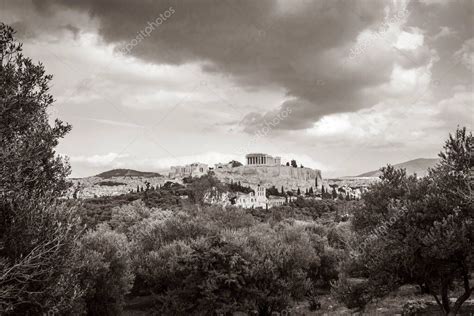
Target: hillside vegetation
{"type": "Point", "coordinates": [126, 173]}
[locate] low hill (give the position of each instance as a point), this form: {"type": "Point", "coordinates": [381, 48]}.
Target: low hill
{"type": "Point", "coordinates": [127, 173]}
{"type": "Point", "coordinates": [419, 166]}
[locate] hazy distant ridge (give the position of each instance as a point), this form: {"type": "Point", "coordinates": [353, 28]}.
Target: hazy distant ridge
{"type": "Point", "coordinates": [419, 166]}
{"type": "Point", "coordinates": [127, 173]}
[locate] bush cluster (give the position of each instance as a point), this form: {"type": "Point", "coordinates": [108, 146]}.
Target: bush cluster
{"type": "Point", "coordinates": [211, 259]}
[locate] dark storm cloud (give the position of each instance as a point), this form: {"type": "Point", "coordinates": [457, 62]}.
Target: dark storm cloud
{"type": "Point", "coordinates": [454, 19]}
{"type": "Point", "coordinates": [431, 16]}
{"type": "Point", "coordinates": [298, 45]}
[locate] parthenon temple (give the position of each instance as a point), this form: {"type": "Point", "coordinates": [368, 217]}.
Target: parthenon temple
{"type": "Point", "coordinates": [262, 160]}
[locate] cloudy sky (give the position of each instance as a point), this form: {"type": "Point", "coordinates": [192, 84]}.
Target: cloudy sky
{"type": "Point", "coordinates": [343, 86]}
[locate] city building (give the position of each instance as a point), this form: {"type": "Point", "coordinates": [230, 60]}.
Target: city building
{"type": "Point", "coordinates": [191, 170]}
{"type": "Point", "coordinates": [257, 159]}
{"type": "Point", "coordinates": [252, 199]}
{"type": "Point", "coordinates": [274, 200]}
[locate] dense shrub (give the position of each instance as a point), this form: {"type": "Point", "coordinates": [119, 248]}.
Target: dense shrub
{"type": "Point", "coordinates": [340, 235]}
{"type": "Point", "coordinates": [200, 188]}
{"type": "Point", "coordinates": [280, 259]}
{"type": "Point", "coordinates": [104, 269]}
{"type": "Point", "coordinates": [98, 210]}
{"type": "Point", "coordinates": [126, 218]}
{"type": "Point", "coordinates": [216, 260]}
{"type": "Point", "coordinates": [219, 218]}
{"type": "Point", "coordinates": [301, 209]}
{"type": "Point", "coordinates": [276, 264]}
{"type": "Point", "coordinates": [208, 276]}
{"type": "Point", "coordinates": [353, 293]}
{"type": "Point", "coordinates": [164, 198]}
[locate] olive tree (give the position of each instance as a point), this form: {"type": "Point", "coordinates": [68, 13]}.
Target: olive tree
{"type": "Point", "coordinates": [36, 234]}
{"type": "Point", "coordinates": [423, 232]}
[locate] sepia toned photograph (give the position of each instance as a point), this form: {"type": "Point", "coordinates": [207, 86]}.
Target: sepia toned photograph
{"type": "Point", "coordinates": [236, 157]}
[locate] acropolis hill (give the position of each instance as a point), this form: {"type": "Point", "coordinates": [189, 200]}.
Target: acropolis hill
{"type": "Point", "coordinates": [261, 169]}
{"type": "Point", "coordinates": [268, 171]}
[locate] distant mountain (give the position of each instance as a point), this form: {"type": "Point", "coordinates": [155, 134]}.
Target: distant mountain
{"type": "Point", "coordinates": [127, 173]}
{"type": "Point", "coordinates": [419, 166]}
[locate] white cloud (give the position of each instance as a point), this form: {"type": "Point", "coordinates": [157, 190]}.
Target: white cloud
{"type": "Point", "coordinates": [98, 160]}
{"type": "Point", "coordinates": [466, 54]}
{"type": "Point", "coordinates": [111, 122]}
{"type": "Point", "coordinates": [409, 41]}
{"type": "Point", "coordinates": [458, 109]}
{"type": "Point", "coordinates": [162, 98]}
{"type": "Point", "coordinates": [408, 81]}
{"type": "Point", "coordinates": [417, 124]}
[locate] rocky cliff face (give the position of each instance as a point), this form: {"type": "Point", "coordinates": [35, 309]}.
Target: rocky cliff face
{"type": "Point", "coordinates": [288, 177]}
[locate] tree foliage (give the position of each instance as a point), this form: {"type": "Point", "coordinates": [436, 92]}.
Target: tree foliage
{"type": "Point", "coordinates": [36, 235]}
{"type": "Point", "coordinates": [421, 230]}
{"type": "Point", "coordinates": [294, 164]}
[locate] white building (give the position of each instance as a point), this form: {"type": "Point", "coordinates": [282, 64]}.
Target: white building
{"type": "Point", "coordinates": [252, 200]}
{"type": "Point", "coordinates": [275, 201]}
{"type": "Point", "coordinates": [258, 199]}
{"type": "Point", "coordinates": [257, 159]}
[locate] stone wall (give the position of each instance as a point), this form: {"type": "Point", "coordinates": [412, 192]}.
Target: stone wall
{"type": "Point", "coordinates": [288, 177]}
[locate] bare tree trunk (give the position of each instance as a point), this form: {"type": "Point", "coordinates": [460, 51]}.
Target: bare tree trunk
{"type": "Point", "coordinates": [445, 297]}
{"type": "Point", "coordinates": [439, 303]}
{"type": "Point", "coordinates": [467, 291]}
